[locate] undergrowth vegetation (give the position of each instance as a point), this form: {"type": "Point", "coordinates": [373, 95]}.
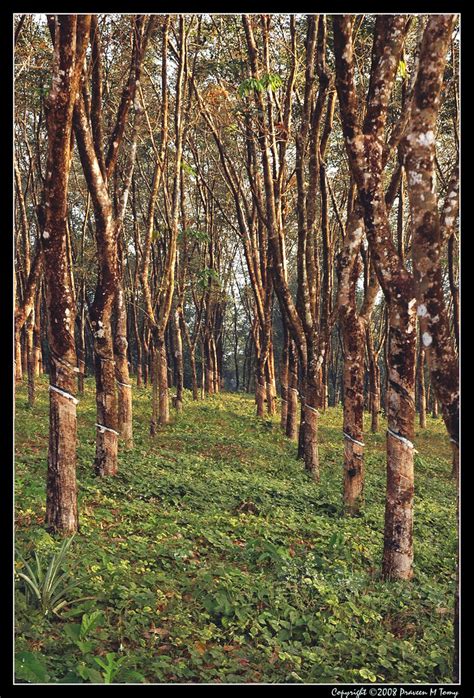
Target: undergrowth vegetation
{"type": "Point", "coordinates": [212, 557]}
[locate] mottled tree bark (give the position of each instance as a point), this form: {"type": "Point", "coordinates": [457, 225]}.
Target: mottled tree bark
{"type": "Point", "coordinates": [366, 155]}
{"type": "Point", "coordinates": [292, 410]}
{"type": "Point", "coordinates": [29, 351]}
{"type": "Point", "coordinates": [178, 355]}
{"type": "Point", "coordinates": [138, 343]}
{"type": "Point", "coordinates": [192, 359]}
{"type": "Point", "coordinates": [207, 367]}
{"type": "Point", "coordinates": [161, 380]}
{"type": "Point", "coordinates": [122, 375]}
{"type": "Point", "coordinates": [18, 364]}
{"type": "Point", "coordinates": [353, 336]}
{"type": "Point", "coordinates": [284, 377]}
{"type": "Point", "coordinates": [374, 382]}
{"type": "Point", "coordinates": [270, 382]}
{"type": "Point", "coordinates": [37, 362]}
{"type": "Point", "coordinates": [101, 308]}
{"type": "Point", "coordinates": [419, 148]}
{"type": "Point", "coordinates": [70, 34]}
{"type": "Point", "coordinates": [81, 347]}
{"type": "Point", "coordinates": [215, 366]}
{"type": "Point", "coordinates": [421, 385]}
{"type": "Point", "coordinates": [26, 307]}
{"type": "Point", "coordinates": [98, 171]}
{"type": "Point", "coordinates": [310, 412]}
{"type": "Point", "coordinates": [260, 391]}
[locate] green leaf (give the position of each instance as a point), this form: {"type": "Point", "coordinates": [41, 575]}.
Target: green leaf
{"type": "Point", "coordinates": [71, 677]}
{"type": "Point", "coordinates": [272, 81]}
{"type": "Point", "coordinates": [367, 674]}
{"type": "Point", "coordinates": [250, 85]}
{"type": "Point", "coordinates": [89, 674]}
{"type": "Point", "coordinates": [72, 631]}
{"type": "Point", "coordinates": [31, 584]}
{"type": "Point", "coordinates": [198, 235]}
{"type": "Point", "coordinates": [186, 167]}
{"type": "Point", "coordinates": [29, 667]}
{"type": "Point", "coordinates": [90, 621]}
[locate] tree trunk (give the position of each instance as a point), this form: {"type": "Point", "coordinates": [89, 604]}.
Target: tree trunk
{"type": "Point", "coordinates": [24, 349]}
{"type": "Point", "coordinates": [374, 381]}
{"type": "Point", "coordinates": [138, 344]}
{"type": "Point", "coordinates": [366, 155]}
{"type": "Point", "coordinates": [61, 487]}
{"type": "Point", "coordinates": [37, 336]}
{"type": "Point", "coordinates": [419, 146]}
{"type": "Point", "coordinates": [270, 382]}
{"type": "Point", "coordinates": [353, 415]}
{"type": "Point", "coordinates": [209, 367]}
{"type": "Point", "coordinates": [70, 34]}
{"type": "Point", "coordinates": [421, 386]}
{"type": "Point", "coordinates": [27, 305]}
{"type": "Point", "coordinates": [101, 310]}
{"type": "Point", "coordinates": [81, 349]}
{"type": "Point", "coordinates": [398, 531]}
{"type": "Point", "coordinates": [353, 339]}
{"type": "Point", "coordinates": [192, 360]}
{"type": "Point", "coordinates": [376, 401]}
{"type": "Point", "coordinates": [284, 373]}
{"type": "Point", "coordinates": [203, 370]}
{"type": "Point", "coordinates": [291, 419]}
{"type": "Point", "coordinates": [122, 375]}
{"type": "Point", "coordinates": [178, 354]}
{"type": "Point", "coordinates": [146, 355]}
{"type": "Point", "coordinates": [18, 364]}
{"type": "Point", "coordinates": [30, 363]}
{"type": "Point", "coordinates": [160, 383]}
{"type": "Point", "coordinates": [215, 367]}
{"type": "Point", "coordinates": [310, 411]}
{"type": "Point", "coordinates": [260, 391]}
{"type": "Point", "coordinates": [106, 452]}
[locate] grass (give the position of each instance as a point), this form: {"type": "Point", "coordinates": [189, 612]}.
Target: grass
{"type": "Point", "coordinates": [212, 557]}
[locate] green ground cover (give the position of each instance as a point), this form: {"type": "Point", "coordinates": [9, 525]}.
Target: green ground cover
{"type": "Point", "coordinates": [212, 557]}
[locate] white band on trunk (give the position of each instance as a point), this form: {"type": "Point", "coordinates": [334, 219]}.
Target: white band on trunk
{"type": "Point", "coordinates": [125, 385]}
{"type": "Point", "coordinates": [64, 394]}
{"type": "Point", "coordinates": [313, 409]}
{"type": "Point", "coordinates": [102, 429]}
{"type": "Point", "coordinates": [401, 438]}
{"type": "Point", "coordinates": [349, 438]}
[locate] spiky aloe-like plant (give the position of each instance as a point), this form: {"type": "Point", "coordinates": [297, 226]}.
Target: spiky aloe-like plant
{"type": "Point", "coordinates": [48, 586]}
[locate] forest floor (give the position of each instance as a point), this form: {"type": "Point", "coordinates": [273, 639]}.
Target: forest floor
{"type": "Point", "coordinates": [212, 556]}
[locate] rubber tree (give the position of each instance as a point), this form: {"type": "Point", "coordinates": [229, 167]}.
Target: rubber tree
{"type": "Point", "coordinates": [70, 38]}
{"type": "Point", "coordinates": [99, 165]}
{"type": "Point", "coordinates": [367, 158]}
